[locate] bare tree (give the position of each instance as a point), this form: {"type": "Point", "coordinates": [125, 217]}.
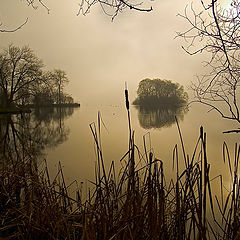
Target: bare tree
{"type": "Point", "coordinates": [58, 79]}
{"type": "Point", "coordinates": [20, 70]}
{"type": "Point", "coordinates": [216, 31]}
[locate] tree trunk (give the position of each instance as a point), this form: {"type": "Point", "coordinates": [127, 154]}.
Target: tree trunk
{"type": "Point", "coordinates": [6, 101]}
{"type": "Point", "coordinates": [59, 93]}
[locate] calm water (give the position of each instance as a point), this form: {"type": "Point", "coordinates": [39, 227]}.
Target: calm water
{"type": "Point", "coordinates": [65, 136]}
{"type": "Point", "coordinates": [77, 153]}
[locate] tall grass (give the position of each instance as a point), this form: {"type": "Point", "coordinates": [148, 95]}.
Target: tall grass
{"type": "Point", "coordinates": [135, 202]}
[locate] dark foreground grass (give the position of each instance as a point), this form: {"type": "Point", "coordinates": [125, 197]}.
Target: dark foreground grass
{"type": "Point", "coordinates": [133, 203]}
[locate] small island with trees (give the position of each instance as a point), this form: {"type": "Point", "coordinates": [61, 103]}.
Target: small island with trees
{"type": "Point", "coordinates": [24, 84]}
{"type": "Point", "coordinates": [157, 93]}
{"type": "Point", "coordinates": [158, 103]}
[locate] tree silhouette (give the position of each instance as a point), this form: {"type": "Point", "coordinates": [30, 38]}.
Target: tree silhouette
{"type": "Point", "coordinates": [23, 80]}
{"type": "Point", "coordinates": [20, 70]}
{"type": "Point", "coordinates": [215, 31]}
{"type": "Point", "coordinates": [157, 92]}
{"type": "Point", "coordinates": [58, 79]}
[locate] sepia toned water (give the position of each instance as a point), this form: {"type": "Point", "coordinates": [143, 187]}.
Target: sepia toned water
{"type": "Point", "coordinates": [77, 154]}
{"type": "Point", "coordinates": [64, 135]}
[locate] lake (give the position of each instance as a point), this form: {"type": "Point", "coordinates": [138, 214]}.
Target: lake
{"type": "Point", "coordinates": [77, 154]}
{"type": "Point", "coordinates": [64, 135]}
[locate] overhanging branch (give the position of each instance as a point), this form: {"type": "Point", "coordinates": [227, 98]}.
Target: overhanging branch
{"type": "Point", "coordinates": [15, 29]}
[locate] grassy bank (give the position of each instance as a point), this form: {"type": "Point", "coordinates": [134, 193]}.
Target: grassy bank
{"type": "Point", "coordinates": [135, 202]}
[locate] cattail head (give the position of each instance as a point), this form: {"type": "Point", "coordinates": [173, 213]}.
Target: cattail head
{"type": "Point", "coordinates": [126, 96]}
{"type": "Point", "coordinates": [201, 132]}
{"type": "Point", "coordinates": [150, 157]}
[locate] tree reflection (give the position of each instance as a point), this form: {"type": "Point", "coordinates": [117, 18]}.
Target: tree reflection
{"type": "Point", "coordinates": [160, 117]}
{"type": "Point", "coordinates": [28, 135]}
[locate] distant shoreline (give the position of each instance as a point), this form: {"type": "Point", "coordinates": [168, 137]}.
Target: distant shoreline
{"type": "Point", "coordinates": [27, 109]}
{"type": "Point", "coordinates": [15, 111]}
{"type": "Point", "coordinates": [55, 105]}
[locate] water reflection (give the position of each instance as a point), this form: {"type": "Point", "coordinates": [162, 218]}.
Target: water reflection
{"type": "Point", "coordinates": [25, 136]}
{"type": "Point", "coordinates": [48, 114]}
{"type": "Point", "coordinates": [160, 117]}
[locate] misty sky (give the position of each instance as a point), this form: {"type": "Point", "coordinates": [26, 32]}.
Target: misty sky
{"type": "Point", "coordinates": [100, 55]}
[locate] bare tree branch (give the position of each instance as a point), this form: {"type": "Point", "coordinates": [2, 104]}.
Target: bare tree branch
{"type": "Point", "coordinates": [216, 32]}
{"type": "Point", "coordinates": [15, 29]}
{"type": "Point", "coordinates": [111, 7]}
{"type": "Point", "coordinates": [232, 131]}
{"type": "Point", "coordinates": [33, 4]}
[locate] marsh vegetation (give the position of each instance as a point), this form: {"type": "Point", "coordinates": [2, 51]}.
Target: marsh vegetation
{"type": "Point", "coordinates": [135, 201]}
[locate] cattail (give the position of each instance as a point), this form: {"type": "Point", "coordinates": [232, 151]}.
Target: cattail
{"type": "Point", "coordinates": [201, 132]}
{"type": "Point", "coordinates": [126, 96]}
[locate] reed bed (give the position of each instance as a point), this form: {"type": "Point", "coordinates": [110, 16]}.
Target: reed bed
{"type": "Point", "coordinates": [135, 202]}
{"type": "Point", "coordinates": [32, 206]}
